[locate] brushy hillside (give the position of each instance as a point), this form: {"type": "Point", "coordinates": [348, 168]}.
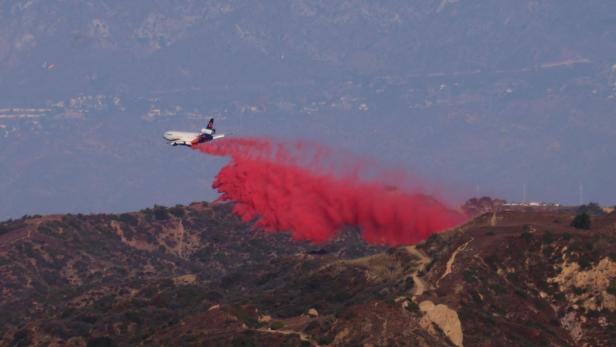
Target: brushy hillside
{"type": "Point", "coordinates": [196, 275]}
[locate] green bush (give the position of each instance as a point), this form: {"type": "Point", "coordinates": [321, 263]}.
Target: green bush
{"type": "Point", "coordinates": [612, 288]}
{"type": "Point", "coordinates": [492, 261]}
{"type": "Point", "coordinates": [513, 277]}
{"type": "Point", "coordinates": [547, 251]}
{"type": "Point", "coordinates": [468, 276]}
{"type": "Point", "coordinates": [578, 291]}
{"type": "Point", "coordinates": [412, 307]}
{"type": "Point", "coordinates": [4, 261]}
{"type": "Point", "coordinates": [128, 219]}
{"type": "Point", "coordinates": [592, 209]}
{"type": "Point", "coordinates": [584, 262]}
{"type": "Point", "coordinates": [177, 211]}
{"type": "Point", "coordinates": [244, 315]}
{"type": "Point", "coordinates": [581, 221]}
{"type": "Point", "coordinates": [498, 289]}
{"type": "Point", "coordinates": [4, 229]}
{"type": "Point", "coordinates": [325, 340]}
{"type": "Point", "coordinates": [101, 342]}
{"type": "Point", "coordinates": [213, 295]}
{"type": "Point", "coordinates": [160, 213]}
{"type": "Point", "coordinates": [409, 283]}
{"type": "Point", "coordinates": [277, 325]}
{"type": "Point", "coordinates": [312, 327]}
{"type": "Point", "coordinates": [548, 237]}
{"type": "Point", "coordinates": [526, 235]}
{"type": "Point", "coordinates": [243, 341]}
{"type": "Point", "coordinates": [519, 292]}
{"type": "Point", "coordinates": [21, 338]}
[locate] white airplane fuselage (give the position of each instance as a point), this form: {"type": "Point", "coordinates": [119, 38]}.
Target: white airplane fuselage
{"type": "Point", "coordinates": [190, 139]}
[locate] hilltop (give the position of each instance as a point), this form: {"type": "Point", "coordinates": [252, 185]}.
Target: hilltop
{"type": "Point", "coordinates": [196, 275]}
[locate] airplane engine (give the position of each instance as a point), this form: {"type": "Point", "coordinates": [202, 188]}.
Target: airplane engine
{"type": "Point", "coordinates": [207, 131]}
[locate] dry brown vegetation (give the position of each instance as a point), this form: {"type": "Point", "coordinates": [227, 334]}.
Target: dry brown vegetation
{"type": "Point", "coordinates": [196, 275]}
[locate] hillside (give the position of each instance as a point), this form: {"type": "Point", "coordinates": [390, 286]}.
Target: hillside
{"type": "Point", "coordinates": [195, 275]}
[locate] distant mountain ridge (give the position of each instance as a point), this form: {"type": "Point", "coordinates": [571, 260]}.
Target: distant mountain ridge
{"type": "Point", "coordinates": [90, 40]}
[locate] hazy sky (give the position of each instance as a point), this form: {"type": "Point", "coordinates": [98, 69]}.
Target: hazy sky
{"type": "Point", "coordinates": [509, 99]}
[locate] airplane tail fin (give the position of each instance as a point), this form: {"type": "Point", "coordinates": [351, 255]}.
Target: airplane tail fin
{"type": "Point", "coordinates": [210, 124]}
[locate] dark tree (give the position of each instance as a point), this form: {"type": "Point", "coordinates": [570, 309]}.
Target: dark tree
{"type": "Point", "coordinates": [592, 209]}
{"type": "Point", "coordinates": [581, 221]}
{"type": "Point", "coordinates": [101, 342]}
{"type": "Point", "coordinates": [160, 213]}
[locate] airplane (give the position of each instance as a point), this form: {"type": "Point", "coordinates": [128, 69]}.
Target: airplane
{"type": "Point", "coordinates": [182, 138]}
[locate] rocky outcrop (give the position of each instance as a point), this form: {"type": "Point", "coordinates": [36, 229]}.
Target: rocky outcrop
{"type": "Point", "coordinates": [445, 318]}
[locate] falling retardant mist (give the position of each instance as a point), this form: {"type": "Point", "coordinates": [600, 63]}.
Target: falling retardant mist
{"type": "Point", "coordinates": [288, 186]}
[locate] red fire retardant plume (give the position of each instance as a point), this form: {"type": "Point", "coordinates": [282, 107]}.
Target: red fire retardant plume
{"type": "Point", "coordinates": [284, 187]}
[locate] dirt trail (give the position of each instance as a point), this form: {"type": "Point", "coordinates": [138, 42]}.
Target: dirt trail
{"type": "Point", "coordinates": [452, 259]}
{"type": "Point", "coordinates": [301, 335]}
{"type": "Point", "coordinates": [424, 260]}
